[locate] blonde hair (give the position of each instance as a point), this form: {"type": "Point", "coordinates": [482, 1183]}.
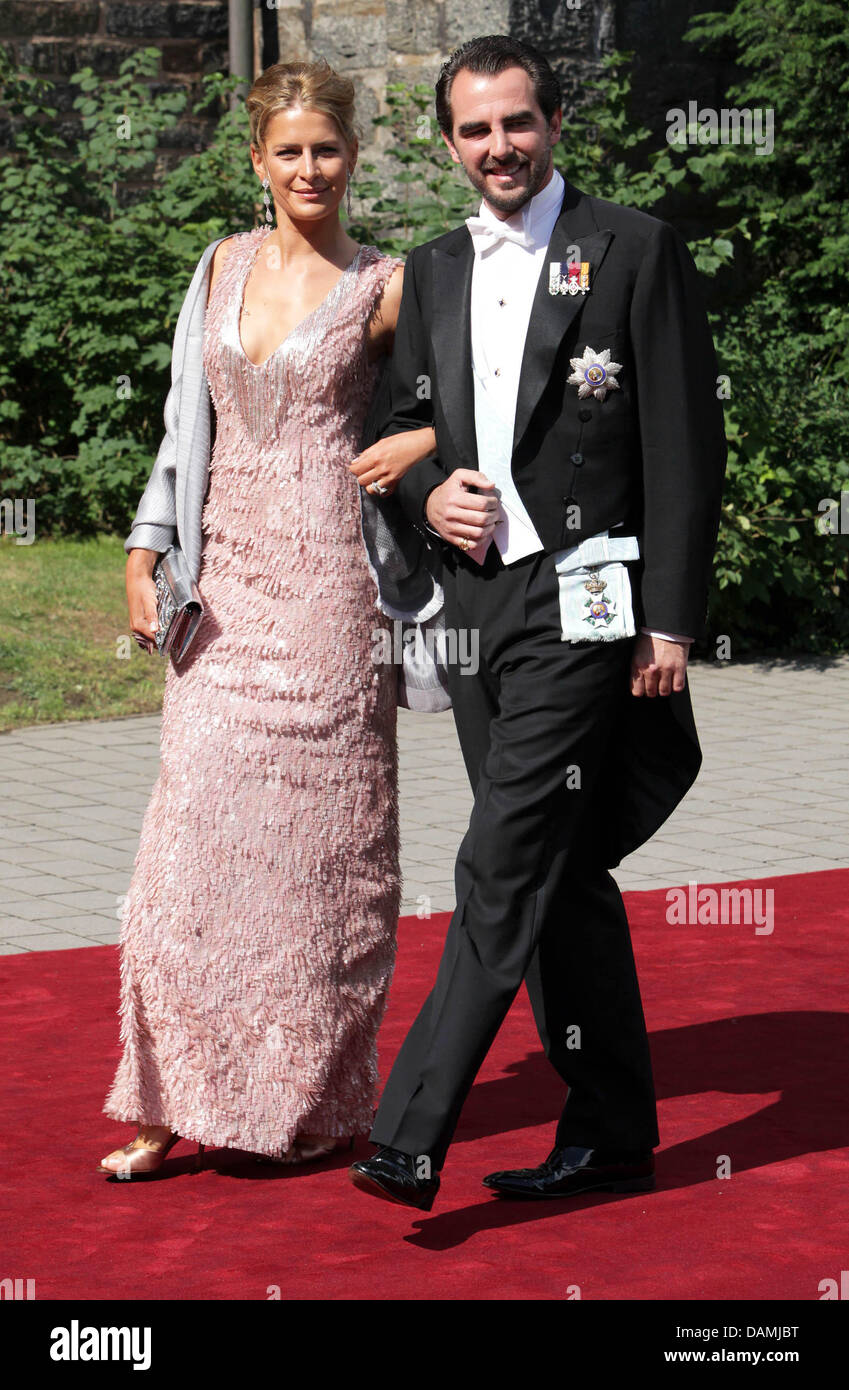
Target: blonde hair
{"type": "Point", "coordinates": [312, 85]}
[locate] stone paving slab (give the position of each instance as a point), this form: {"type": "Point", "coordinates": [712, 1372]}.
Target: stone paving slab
{"type": "Point", "coordinates": [771, 799]}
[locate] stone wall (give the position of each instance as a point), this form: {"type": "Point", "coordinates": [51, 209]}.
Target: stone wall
{"type": "Point", "coordinates": [380, 41]}
{"type": "Point", "coordinates": [59, 37]}
{"type": "Point", "coordinates": [375, 41]}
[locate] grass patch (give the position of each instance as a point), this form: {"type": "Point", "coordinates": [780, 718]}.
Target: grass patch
{"type": "Point", "coordinates": [65, 646]}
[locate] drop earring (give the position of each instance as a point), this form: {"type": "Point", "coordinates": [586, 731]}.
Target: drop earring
{"type": "Point", "coordinates": [348, 195]}
{"type": "Point", "coordinates": [269, 215]}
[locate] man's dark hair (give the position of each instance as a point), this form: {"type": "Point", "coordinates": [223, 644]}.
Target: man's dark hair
{"type": "Point", "coordinates": [492, 54]}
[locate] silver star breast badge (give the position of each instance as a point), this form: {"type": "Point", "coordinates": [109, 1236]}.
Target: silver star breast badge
{"type": "Point", "coordinates": [594, 374]}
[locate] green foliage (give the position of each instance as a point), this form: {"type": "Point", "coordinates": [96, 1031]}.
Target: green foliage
{"type": "Point", "coordinates": [779, 580]}
{"type": "Point", "coordinates": [90, 287]}
{"type": "Point", "coordinates": [65, 648]}
{"type": "Point", "coordinates": [605, 153]}
{"type": "Point", "coordinates": [783, 331]}
{"type": "Point", "coordinates": [796, 199]}
{"type": "Point", "coordinates": [90, 284]}
{"type": "Point", "coordinates": [424, 194]}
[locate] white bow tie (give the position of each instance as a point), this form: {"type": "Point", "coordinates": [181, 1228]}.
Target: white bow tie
{"type": "Point", "coordinates": [487, 234]}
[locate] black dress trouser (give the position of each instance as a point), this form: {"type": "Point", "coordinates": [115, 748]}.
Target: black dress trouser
{"type": "Point", "coordinates": [533, 898]}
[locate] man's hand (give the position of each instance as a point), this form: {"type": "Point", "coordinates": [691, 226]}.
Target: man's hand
{"type": "Point", "coordinates": [456, 513]}
{"type": "Point", "coordinates": [658, 667]}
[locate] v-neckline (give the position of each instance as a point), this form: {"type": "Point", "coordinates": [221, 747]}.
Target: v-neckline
{"type": "Point", "coordinates": [257, 366]}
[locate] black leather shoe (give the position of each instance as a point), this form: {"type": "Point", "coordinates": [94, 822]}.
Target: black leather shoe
{"type": "Point", "coordinates": [391, 1174]}
{"type": "Point", "coordinates": [567, 1172]}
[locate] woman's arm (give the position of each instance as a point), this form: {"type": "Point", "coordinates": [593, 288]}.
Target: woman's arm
{"type": "Point", "coordinates": [141, 594]}
{"type": "Point", "coordinates": [381, 329]}
{"type": "Point", "coordinates": [389, 459]}
{"type": "Point", "coordinates": [154, 526]}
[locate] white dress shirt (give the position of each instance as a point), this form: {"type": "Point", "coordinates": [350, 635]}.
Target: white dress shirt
{"type": "Point", "coordinates": [504, 280]}
{"type": "Point", "coordinates": [509, 257]}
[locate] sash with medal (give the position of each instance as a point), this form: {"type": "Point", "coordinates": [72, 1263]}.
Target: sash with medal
{"type": "Point", "coordinates": [595, 589]}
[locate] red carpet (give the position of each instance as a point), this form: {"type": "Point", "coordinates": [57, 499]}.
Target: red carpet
{"type": "Point", "coordinates": [750, 1041]}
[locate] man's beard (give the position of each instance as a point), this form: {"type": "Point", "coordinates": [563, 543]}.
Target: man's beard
{"type": "Point", "coordinates": [510, 200]}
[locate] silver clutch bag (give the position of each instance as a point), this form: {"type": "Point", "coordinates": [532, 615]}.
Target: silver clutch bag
{"type": "Point", "coordinates": [179, 607]}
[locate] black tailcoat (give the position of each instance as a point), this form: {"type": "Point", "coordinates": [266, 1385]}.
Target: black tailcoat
{"type": "Point", "coordinates": [648, 459]}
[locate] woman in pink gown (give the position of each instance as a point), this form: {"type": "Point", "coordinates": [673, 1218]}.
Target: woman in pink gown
{"type": "Point", "coordinates": [258, 935]}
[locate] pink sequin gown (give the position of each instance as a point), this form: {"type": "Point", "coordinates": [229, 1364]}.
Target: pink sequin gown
{"type": "Point", "coordinates": [258, 934]}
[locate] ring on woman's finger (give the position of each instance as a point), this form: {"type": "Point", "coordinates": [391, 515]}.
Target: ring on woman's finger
{"type": "Point", "coordinates": [464, 543]}
{"type": "Point", "coordinates": [378, 488]}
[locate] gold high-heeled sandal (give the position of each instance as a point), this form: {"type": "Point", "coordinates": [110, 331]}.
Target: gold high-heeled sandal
{"type": "Point", "coordinates": [141, 1160]}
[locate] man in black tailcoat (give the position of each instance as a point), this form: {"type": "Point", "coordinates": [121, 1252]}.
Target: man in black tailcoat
{"type": "Point", "coordinates": [560, 347]}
